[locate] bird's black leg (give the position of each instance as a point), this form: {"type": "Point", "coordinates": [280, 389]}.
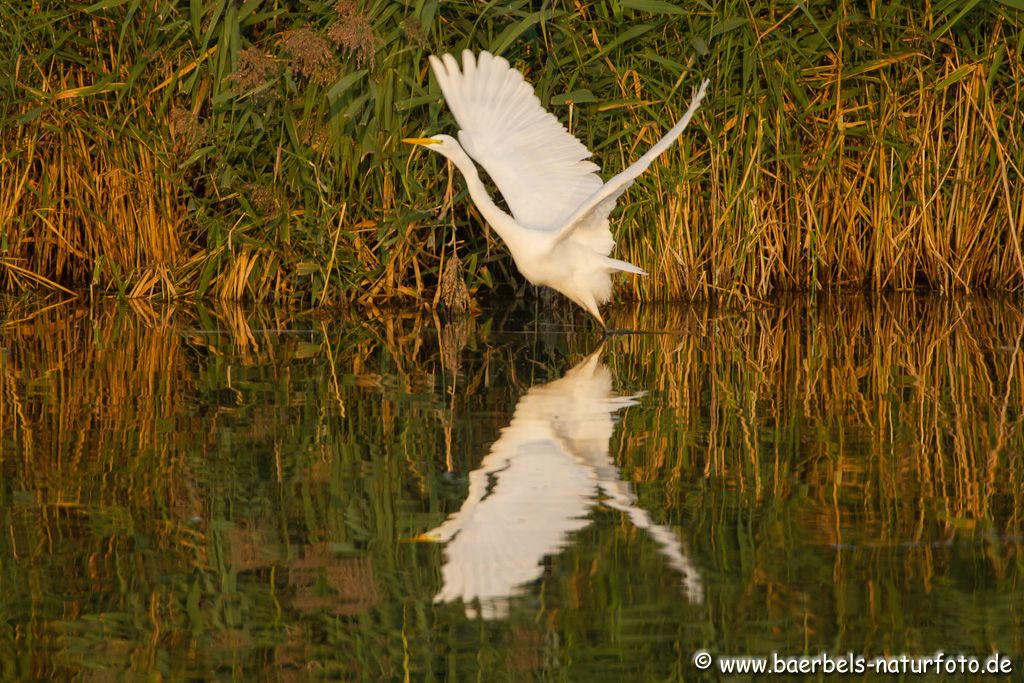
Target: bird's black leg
{"type": "Point", "coordinates": [610, 332]}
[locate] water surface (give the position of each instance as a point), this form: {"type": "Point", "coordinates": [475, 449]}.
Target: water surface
{"type": "Point", "coordinates": [261, 494]}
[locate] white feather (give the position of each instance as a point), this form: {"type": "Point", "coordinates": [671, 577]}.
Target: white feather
{"type": "Point", "coordinates": [528, 153]}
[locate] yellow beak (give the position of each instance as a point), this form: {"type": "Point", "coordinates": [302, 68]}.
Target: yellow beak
{"type": "Point", "coordinates": [420, 141]}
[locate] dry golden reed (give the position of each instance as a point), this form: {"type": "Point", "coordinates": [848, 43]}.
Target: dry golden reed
{"type": "Point", "coordinates": [872, 147]}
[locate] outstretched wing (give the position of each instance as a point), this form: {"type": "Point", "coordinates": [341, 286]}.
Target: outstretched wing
{"type": "Point", "coordinates": [539, 168]}
{"type": "Point", "coordinates": [594, 210]}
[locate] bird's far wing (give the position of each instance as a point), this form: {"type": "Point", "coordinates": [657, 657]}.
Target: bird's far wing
{"type": "Point", "coordinates": [619, 496]}
{"type": "Point", "coordinates": [538, 166]}
{"type": "Point", "coordinates": [595, 209]}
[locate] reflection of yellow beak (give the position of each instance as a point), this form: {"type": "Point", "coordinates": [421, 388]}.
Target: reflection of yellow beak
{"type": "Point", "coordinates": [423, 538]}
{"type": "Point", "coordinates": [420, 141]}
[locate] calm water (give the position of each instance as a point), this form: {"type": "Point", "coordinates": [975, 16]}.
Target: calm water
{"type": "Point", "coordinates": [193, 493]}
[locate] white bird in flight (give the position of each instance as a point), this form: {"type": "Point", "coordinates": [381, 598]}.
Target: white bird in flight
{"type": "Point", "coordinates": [558, 232]}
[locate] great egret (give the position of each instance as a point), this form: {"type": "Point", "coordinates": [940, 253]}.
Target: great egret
{"type": "Point", "coordinates": [558, 231]}
{"type": "Point", "coordinates": [538, 484]}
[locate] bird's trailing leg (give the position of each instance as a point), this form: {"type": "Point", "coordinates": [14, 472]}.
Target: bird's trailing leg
{"type": "Point", "coordinates": [590, 305]}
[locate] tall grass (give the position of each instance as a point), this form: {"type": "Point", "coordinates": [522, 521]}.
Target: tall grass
{"type": "Point", "coordinates": [229, 150]}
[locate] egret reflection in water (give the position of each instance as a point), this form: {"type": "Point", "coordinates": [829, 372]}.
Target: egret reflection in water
{"type": "Point", "coordinates": [536, 486]}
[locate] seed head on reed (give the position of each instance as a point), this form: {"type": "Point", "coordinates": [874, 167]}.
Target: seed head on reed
{"type": "Point", "coordinates": [187, 131]}
{"type": "Point", "coordinates": [313, 133]}
{"type": "Point", "coordinates": [413, 30]}
{"type": "Point", "coordinates": [255, 68]}
{"type": "Point", "coordinates": [454, 293]}
{"type": "Point", "coordinates": [263, 198]}
{"type": "Point", "coordinates": [353, 33]}
{"type": "Point", "coordinates": [312, 56]}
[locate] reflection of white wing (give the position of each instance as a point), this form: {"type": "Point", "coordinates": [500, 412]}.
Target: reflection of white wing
{"type": "Point", "coordinates": [621, 498]}
{"type": "Point", "coordinates": [543, 475]}
{"type": "Point", "coordinates": [502, 540]}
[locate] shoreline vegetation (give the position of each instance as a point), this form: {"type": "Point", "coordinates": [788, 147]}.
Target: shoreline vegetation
{"type": "Point", "coordinates": [251, 150]}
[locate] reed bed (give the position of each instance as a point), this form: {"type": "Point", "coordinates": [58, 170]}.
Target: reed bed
{"type": "Point", "coordinates": [171, 149]}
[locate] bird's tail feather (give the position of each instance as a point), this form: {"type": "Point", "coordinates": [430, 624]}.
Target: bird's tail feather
{"type": "Point", "coordinates": [616, 264]}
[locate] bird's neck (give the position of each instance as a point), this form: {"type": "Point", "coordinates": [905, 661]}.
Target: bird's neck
{"type": "Point", "coordinates": [502, 223]}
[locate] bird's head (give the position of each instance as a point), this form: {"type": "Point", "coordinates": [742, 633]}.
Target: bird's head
{"type": "Point", "coordinates": [445, 145]}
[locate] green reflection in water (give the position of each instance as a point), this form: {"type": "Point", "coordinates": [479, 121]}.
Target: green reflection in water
{"type": "Point", "coordinates": [232, 494]}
